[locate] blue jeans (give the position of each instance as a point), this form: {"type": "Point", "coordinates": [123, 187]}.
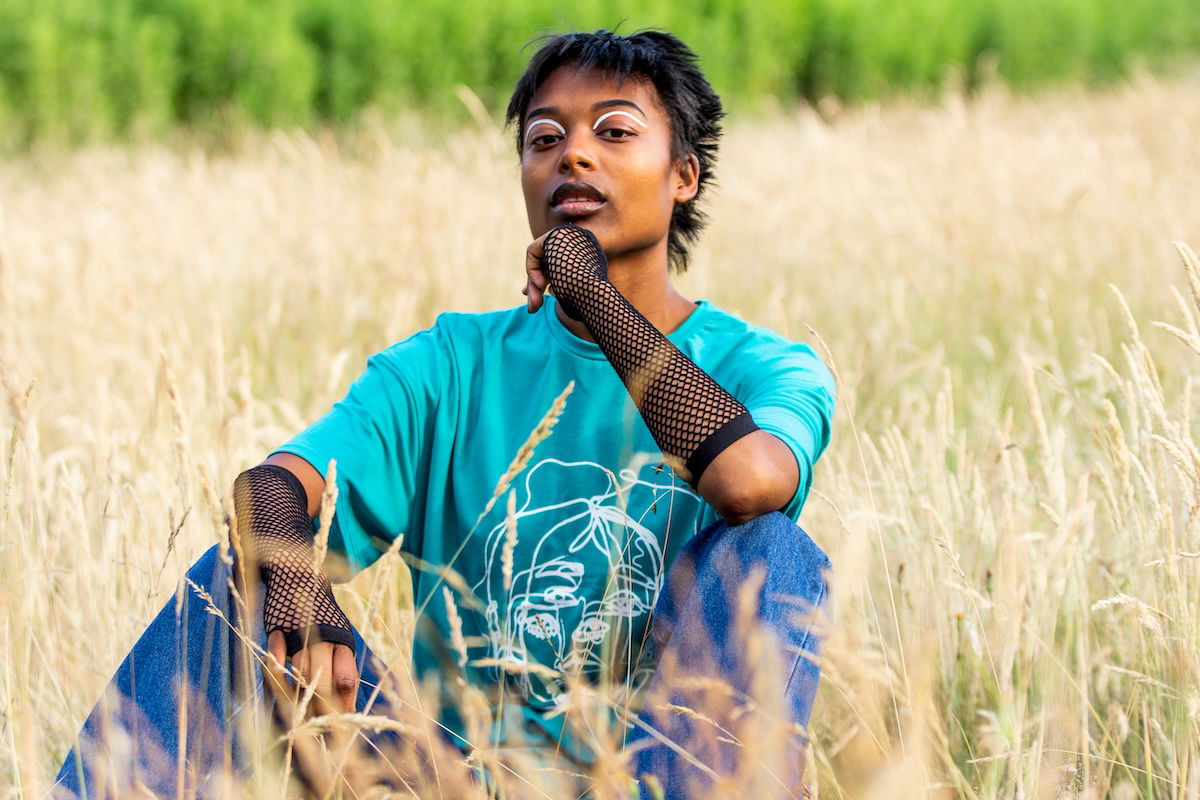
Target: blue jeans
{"type": "Point", "coordinates": [137, 734]}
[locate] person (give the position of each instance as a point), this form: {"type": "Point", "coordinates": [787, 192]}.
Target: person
{"type": "Point", "coordinates": [681, 454]}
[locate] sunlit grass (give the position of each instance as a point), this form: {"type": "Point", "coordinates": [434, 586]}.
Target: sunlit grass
{"type": "Point", "coordinates": [1010, 497]}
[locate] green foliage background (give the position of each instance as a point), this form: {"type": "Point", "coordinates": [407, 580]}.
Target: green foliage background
{"type": "Point", "coordinates": [72, 70]}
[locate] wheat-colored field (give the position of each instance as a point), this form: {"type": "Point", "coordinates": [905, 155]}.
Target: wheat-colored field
{"type": "Point", "coordinates": [1011, 499]}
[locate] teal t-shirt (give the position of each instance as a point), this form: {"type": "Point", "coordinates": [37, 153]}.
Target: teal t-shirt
{"type": "Point", "coordinates": [423, 436]}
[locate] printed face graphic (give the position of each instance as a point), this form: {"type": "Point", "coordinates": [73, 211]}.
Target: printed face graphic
{"type": "Point", "coordinates": [586, 571]}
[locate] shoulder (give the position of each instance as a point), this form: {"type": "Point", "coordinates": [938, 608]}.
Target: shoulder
{"type": "Point", "coordinates": [715, 323]}
{"type": "Point", "coordinates": [731, 343]}
{"type": "Point", "coordinates": [456, 332]}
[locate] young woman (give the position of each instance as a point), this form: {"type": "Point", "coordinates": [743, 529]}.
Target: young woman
{"type": "Point", "coordinates": [688, 432]}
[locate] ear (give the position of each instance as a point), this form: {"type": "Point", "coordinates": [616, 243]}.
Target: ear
{"type": "Point", "coordinates": [687, 178]}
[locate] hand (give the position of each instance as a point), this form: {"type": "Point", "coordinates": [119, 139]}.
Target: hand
{"type": "Point", "coordinates": [535, 278]}
{"type": "Point", "coordinates": [331, 665]}
{"type": "Point", "coordinates": [576, 265]}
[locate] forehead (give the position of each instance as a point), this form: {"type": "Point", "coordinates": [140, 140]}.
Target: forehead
{"type": "Point", "coordinates": [572, 88]}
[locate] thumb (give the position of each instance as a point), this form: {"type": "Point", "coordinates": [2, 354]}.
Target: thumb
{"type": "Point", "coordinates": [345, 677]}
{"type": "Point", "coordinates": [277, 663]}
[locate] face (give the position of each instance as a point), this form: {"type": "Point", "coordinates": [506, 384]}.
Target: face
{"type": "Point", "coordinates": [598, 155]}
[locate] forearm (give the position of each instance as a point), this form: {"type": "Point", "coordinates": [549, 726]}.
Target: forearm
{"type": "Point", "coordinates": [275, 530]}
{"type": "Point", "coordinates": [691, 417]}
{"type": "Point", "coordinates": [708, 437]}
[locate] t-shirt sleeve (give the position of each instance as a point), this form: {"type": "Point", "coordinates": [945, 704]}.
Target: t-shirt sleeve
{"type": "Point", "coordinates": [380, 435]}
{"type": "Point", "coordinates": [790, 394]}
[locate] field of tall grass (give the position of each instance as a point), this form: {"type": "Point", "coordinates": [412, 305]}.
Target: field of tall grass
{"type": "Point", "coordinates": [76, 70]}
{"type": "Point", "coordinates": [1011, 499]}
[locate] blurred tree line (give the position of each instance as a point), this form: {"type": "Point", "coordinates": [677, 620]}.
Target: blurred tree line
{"type": "Point", "coordinates": [72, 70]}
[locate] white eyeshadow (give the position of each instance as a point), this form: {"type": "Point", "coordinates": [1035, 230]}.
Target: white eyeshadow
{"type": "Point", "coordinates": [624, 113]}
{"type": "Point", "coordinates": [546, 120]}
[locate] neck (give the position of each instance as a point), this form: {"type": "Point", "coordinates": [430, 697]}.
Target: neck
{"type": "Point", "coordinates": [644, 280]}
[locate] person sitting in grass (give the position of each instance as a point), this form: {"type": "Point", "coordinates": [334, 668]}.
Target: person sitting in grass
{"type": "Point", "coordinates": [681, 454]}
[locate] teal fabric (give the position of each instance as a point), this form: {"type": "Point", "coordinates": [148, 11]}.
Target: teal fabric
{"type": "Point", "coordinates": [423, 436]}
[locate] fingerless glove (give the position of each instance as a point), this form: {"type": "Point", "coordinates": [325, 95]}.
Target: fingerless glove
{"type": "Point", "coordinates": [273, 523]}
{"type": "Point", "coordinates": [690, 416]}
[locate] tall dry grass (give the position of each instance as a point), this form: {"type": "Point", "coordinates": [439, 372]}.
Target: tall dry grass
{"type": "Point", "coordinates": [1010, 499]}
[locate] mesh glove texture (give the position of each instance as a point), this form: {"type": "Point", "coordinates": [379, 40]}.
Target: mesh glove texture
{"type": "Point", "coordinates": [690, 416]}
{"type": "Point", "coordinates": [272, 516]}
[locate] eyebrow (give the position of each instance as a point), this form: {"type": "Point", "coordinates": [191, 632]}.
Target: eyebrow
{"type": "Point", "coordinates": [595, 107]}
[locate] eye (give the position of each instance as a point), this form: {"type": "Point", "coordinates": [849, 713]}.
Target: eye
{"type": "Point", "coordinates": [543, 132]}
{"type": "Point", "coordinates": [542, 139]}
{"type": "Point", "coordinates": [615, 133]}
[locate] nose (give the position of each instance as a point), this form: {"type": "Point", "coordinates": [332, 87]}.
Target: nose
{"type": "Point", "coordinates": [575, 155]}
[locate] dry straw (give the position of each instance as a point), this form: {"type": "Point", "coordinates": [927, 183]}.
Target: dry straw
{"type": "Point", "coordinates": [930, 245]}
{"type": "Point", "coordinates": [510, 540]}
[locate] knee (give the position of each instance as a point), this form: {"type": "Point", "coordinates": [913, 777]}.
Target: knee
{"type": "Point", "coordinates": [775, 539]}
{"type": "Point", "coordinates": [792, 563]}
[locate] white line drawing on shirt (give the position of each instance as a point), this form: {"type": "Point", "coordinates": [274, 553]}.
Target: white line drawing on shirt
{"type": "Point", "coordinates": [585, 569]}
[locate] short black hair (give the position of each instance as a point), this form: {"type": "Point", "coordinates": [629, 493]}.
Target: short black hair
{"type": "Point", "coordinates": [685, 94]}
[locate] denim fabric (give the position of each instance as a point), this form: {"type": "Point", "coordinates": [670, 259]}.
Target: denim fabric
{"type": "Point", "coordinates": [714, 621]}
{"type": "Point", "coordinates": [131, 739]}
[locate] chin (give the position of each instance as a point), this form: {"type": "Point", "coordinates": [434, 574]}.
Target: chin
{"type": "Point", "coordinates": [587, 223]}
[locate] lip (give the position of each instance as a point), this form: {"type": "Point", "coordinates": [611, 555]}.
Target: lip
{"type": "Point", "coordinates": [576, 199]}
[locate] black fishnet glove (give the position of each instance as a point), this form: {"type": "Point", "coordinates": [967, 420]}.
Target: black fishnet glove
{"type": "Point", "coordinates": [272, 515]}
{"type": "Point", "coordinates": [690, 416]}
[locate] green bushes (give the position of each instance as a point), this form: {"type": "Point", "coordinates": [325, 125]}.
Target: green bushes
{"type": "Point", "coordinates": [77, 69]}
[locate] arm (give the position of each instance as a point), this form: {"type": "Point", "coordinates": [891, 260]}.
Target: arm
{"type": "Point", "coordinates": [377, 433]}
{"type": "Point", "coordinates": [310, 479]}
{"type": "Point", "coordinates": [274, 503]}
{"type": "Point", "coordinates": [754, 475]}
{"type": "Point", "coordinates": [707, 436]}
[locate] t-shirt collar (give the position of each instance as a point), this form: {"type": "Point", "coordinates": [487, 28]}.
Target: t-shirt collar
{"type": "Point", "coordinates": [573, 344]}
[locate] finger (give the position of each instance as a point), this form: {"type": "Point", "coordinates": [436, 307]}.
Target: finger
{"type": "Point", "coordinates": [533, 265]}
{"type": "Point", "coordinates": [307, 669]}
{"type": "Point", "coordinates": [300, 661]}
{"type": "Point", "coordinates": [345, 677]}
{"type": "Point", "coordinates": [536, 280]}
{"type": "Point", "coordinates": [320, 674]}
{"type": "Point", "coordinates": [535, 247]}
{"type": "Point", "coordinates": [533, 259]}
{"type": "Point", "coordinates": [277, 665]}
{"type": "Point", "coordinates": [535, 286]}
{"type": "Point", "coordinates": [533, 297]}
